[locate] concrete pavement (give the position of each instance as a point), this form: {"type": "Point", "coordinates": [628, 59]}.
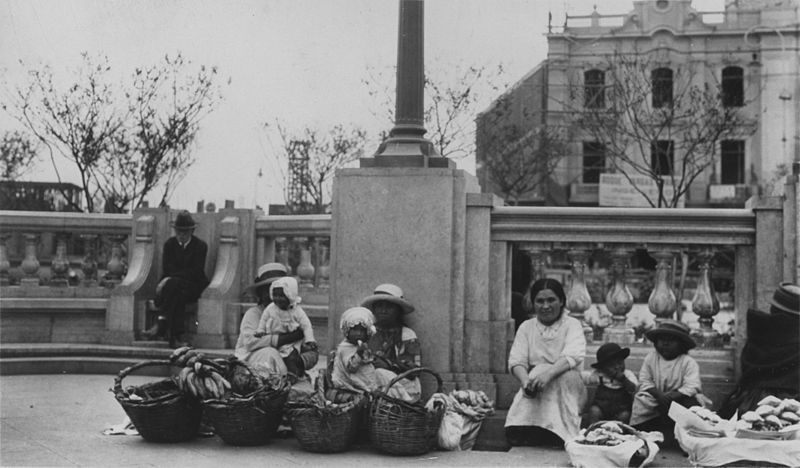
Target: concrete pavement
{"type": "Point", "coordinates": [57, 420]}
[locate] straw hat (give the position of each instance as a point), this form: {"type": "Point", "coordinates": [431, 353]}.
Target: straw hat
{"type": "Point", "coordinates": [389, 293]}
{"type": "Point", "coordinates": [786, 299]}
{"type": "Point", "coordinates": [672, 329]}
{"type": "Point", "coordinates": [609, 352]}
{"type": "Point", "coordinates": [266, 274]}
{"type": "Point", "coordinates": [183, 221]}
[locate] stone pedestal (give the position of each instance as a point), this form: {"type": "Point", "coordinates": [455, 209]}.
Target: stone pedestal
{"type": "Point", "coordinates": [406, 226]}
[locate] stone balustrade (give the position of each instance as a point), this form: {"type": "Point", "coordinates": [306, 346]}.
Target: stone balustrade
{"type": "Point", "coordinates": [594, 251]}
{"type": "Point", "coordinates": [301, 242]}
{"type": "Point", "coordinates": [39, 250]}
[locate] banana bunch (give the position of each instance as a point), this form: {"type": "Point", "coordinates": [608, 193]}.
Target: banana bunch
{"type": "Point", "coordinates": [203, 381]}
{"type": "Point", "coordinates": [185, 356]}
{"type": "Point", "coordinates": [197, 377]}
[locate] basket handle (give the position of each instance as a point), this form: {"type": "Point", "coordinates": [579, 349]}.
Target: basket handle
{"type": "Point", "coordinates": [414, 372]}
{"type": "Point", "coordinates": [126, 371]}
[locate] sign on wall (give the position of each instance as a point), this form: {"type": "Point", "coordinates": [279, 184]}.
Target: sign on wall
{"type": "Point", "coordinates": [616, 190]}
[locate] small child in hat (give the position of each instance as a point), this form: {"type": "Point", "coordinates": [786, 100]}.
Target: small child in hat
{"type": "Point", "coordinates": [668, 374]}
{"type": "Point", "coordinates": [285, 315]}
{"type": "Point", "coordinates": [353, 367]}
{"type": "Point", "coordinates": [615, 385]}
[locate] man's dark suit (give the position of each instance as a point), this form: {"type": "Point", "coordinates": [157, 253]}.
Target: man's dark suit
{"type": "Point", "coordinates": [185, 269]}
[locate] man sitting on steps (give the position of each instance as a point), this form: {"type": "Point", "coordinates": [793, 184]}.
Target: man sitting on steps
{"type": "Point", "coordinates": [182, 281]}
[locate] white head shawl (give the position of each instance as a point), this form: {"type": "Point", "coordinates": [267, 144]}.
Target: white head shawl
{"type": "Point", "coordinates": [289, 286]}
{"type": "Point", "coordinates": [357, 316]}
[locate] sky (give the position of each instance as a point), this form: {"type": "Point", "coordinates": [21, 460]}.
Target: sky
{"type": "Point", "coordinates": [298, 61]}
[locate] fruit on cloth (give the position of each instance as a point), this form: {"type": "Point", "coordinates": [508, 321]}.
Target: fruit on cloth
{"type": "Point", "coordinates": [706, 414]}
{"type": "Point", "coordinates": [770, 400]}
{"type": "Point", "coordinates": [608, 433]}
{"type": "Point", "coordinates": [773, 414]}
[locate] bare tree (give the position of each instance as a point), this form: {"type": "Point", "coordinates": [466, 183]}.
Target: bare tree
{"type": "Point", "coordinates": [316, 154]}
{"type": "Point", "coordinates": [166, 105]}
{"type": "Point", "coordinates": [518, 155]}
{"type": "Point", "coordinates": [124, 139]}
{"type": "Point", "coordinates": [654, 121]}
{"type": "Point", "coordinates": [18, 152]}
{"type": "Point", "coordinates": [453, 97]}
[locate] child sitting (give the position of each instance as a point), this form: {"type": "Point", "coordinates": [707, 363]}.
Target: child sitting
{"type": "Point", "coordinates": [615, 385]}
{"type": "Point", "coordinates": [668, 374]}
{"type": "Point", "coordinates": [353, 367]}
{"type": "Point", "coordinates": [285, 315]}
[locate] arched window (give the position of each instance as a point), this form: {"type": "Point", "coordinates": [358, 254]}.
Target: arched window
{"type": "Point", "coordinates": [732, 87]}
{"type": "Point", "coordinates": [594, 82]}
{"type": "Point", "coordinates": [661, 81]}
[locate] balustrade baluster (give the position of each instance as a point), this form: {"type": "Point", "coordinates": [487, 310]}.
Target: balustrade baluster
{"type": "Point", "coordinates": [30, 264]}
{"type": "Point", "coordinates": [305, 270]}
{"type": "Point", "coordinates": [282, 256]}
{"type": "Point", "coordinates": [5, 265]}
{"type": "Point", "coordinates": [59, 266]}
{"type": "Point", "coordinates": [705, 304]}
{"type": "Point", "coordinates": [619, 300]}
{"type": "Point", "coordinates": [578, 298]}
{"type": "Point", "coordinates": [324, 270]}
{"type": "Point", "coordinates": [89, 265]}
{"type": "Point", "coordinates": [115, 268]}
{"type": "Point", "coordinates": [662, 301]}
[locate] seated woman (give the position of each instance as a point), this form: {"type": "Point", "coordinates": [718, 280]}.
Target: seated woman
{"type": "Point", "coordinates": [771, 355]}
{"type": "Point", "coordinates": [394, 346]}
{"type": "Point", "coordinates": [260, 350]}
{"type": "Point", "coordinates": [546, 358]}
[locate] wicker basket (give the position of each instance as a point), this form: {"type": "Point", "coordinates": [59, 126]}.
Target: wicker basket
{"type": "Point", "coordinates": [249, 420]}
{"type": "Point", "coordinates": [401, 428]}
{"type": "Point", "coordinates": [323, 428]}
{"type": "Point", "coordinates": [164, 414]}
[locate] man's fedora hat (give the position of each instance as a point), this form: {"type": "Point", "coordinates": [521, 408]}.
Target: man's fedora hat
{"type": "Point", "coordinates": [267, 273]}
{"type": "Point", "coordinates": [672, 329]}
{"type": "Point", "coordinates": [390, 293]}
{"type": "Point", "coordinates": [184, 220]}
{"type": "Point", "coordinates": [786, 299]}
{"type": "Point", "coordinates": [609, 352]}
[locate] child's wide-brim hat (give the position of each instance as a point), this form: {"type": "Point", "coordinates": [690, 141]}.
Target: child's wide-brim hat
{"type": "Point", "coordinates": [672, 329]}
{"type": "Point", "coordinates": [609, 352]}
{"type": "Point", "coordinates": [786, 299]}
{"type": "Point", "coordinates": [389, 293]}
{"type": "Point", "coordinates": [183, 221]}
{"type": "Point", "coordinates": [266, 274]}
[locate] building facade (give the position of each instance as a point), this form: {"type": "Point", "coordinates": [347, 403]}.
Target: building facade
{"type": "Point", "coordinates": [748, 55]}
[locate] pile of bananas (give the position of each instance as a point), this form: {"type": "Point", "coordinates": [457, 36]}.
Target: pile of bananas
{"type": "Point", "coordinates": [198, 377]}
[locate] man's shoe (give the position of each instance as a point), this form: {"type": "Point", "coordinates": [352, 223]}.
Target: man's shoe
{"type": "Point", "coordinates": [152, 333]}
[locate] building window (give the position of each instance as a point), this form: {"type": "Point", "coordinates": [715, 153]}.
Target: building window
{"type": "Point", "coordinates": [732, 87]}
{"type": "Point", "coordinates": [594, 161]}
{"type": "Point", "coordinates": [732, 162]}
{"type": "Point", "coordinates": [662, 157]}
{"type": "Point", "coordinates": [594, 82]}
{"type": "Point", "coordinates": [661, 81]}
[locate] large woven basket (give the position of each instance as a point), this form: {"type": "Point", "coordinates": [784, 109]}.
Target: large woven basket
{"type": "Point", "coordinates": [164, 414]}
{"type": "Point", "coordinates": [327, 428]}
{"type": "Point", "coordinates": [401, 428]}
{"type": "Point", "coordinates": [249, 420]}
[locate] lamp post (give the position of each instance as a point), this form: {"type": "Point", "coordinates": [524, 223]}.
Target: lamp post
{"type": "Point", "coordinates": [406, 145]}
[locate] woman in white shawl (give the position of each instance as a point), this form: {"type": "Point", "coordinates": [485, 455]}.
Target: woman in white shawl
{"type": "Point", "coordinates": [546, 358]}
